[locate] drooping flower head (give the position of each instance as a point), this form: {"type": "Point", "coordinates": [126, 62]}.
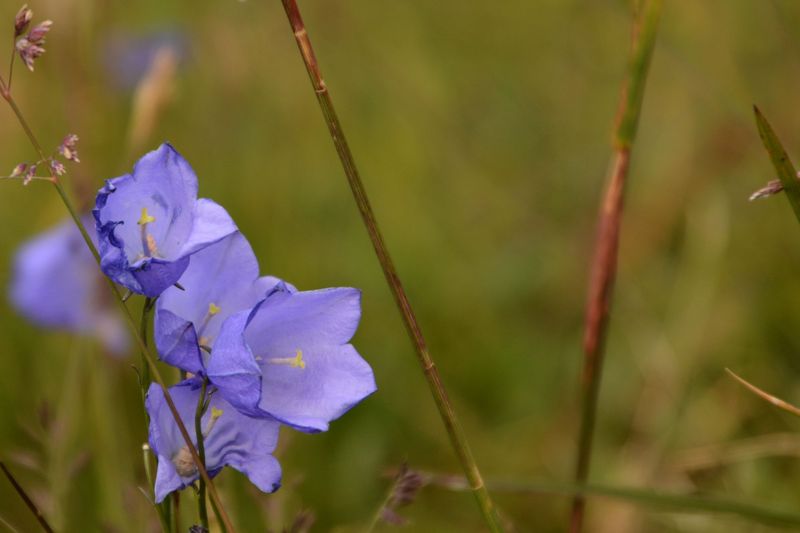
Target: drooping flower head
{"type": "Point", "coordinates": [150, 222]}
{"type": "Point", "coordinates": [221, 280]}
{"type": "Point", "coordinates": [229, 437]}
{"type": "Point", "coordinates": [290, 357]}
{"type": "Point", "coordinates": [56, 284]}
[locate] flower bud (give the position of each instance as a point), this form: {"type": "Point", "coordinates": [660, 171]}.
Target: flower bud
{"type": "Point", "coordinates": [38, 33]}
{"type": "Point", "coordinates": [19, 170]}
{"type": "Point", "coordinates": [21, 21]}
{"type": "Point", "coordinates": [69, 148]}
{"type": "Point", "coordinates": [57, 167]}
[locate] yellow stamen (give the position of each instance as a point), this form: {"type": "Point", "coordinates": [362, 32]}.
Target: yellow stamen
{"type": "Point", "coordinates": [213, 309]}
{"type": "Point", "coordinates": [215, 414]}
{"type": "Point", "coordinates": [146, 218]}
{"type": "Point", "coordinates": [294, 362]}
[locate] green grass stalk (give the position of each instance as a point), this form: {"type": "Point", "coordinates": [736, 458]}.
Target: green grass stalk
{"type": "Point", "coordinates": [452, 425]}
{"type": "Point", "coordinates": [780, 160]}
{"type": "Point", "coordinates": [604, 262]}
{"type": "Point", "coordinates": [645, 497]}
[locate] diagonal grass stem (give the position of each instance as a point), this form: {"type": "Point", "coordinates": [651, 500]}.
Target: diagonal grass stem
{"type": "Point", "coordinates": [455, 432]}
{"type": "Point", "coordinates": [25, 498]}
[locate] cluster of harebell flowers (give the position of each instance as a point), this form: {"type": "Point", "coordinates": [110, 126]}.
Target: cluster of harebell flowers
{"type": "Point", "coordinates": [263, 352]}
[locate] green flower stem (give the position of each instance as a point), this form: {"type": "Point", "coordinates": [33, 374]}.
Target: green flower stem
{"type": "Point", "coordinates": [147, 353]}
{"type": "Point", "coordinates": [202, 510]}
{"type": "Point", "coordinates": [604, 263]}
{"type": "Point", "coordinates": [161, 509]}
{"type": "Point", "coordinates": [456, 433]}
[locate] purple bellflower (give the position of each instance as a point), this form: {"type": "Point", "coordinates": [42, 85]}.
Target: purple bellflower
{"type": "Point", "coordinates": [220, 280]}
{"type": "Point", "coordinates": [56, 284]}
{"type": "Point", "coordinates": [150, 222]}
{"type": "Point", "coordinates": [229, 437]}
{"type": "Point", "coordinates": [290, 357]}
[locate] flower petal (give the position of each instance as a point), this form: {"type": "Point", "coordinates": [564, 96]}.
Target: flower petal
{"type": "Point", "coordinates": [176, 341]}
{"type": "Point", "coordinates": [232, 367]}
{"type": "Point", "coordinates": [211, 223]}
{"type": "Point", "coordinates": [333, 380]}
{"type": "Point", "coordinates": [288, 320]}
{"type": "Point", "coordinates": [230, 438]}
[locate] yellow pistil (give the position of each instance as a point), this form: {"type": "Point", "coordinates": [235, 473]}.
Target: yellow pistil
{"type": "Point", "coordinates": [215, 414]}
{"type": "Point", "coordinates": [146, 218]}
{"type": "Point", "coordinates": [294, 362]}
{"type": "Point", "coordinates": [149, 248]}
{"type": "Point", "coordinates": [213, 310]}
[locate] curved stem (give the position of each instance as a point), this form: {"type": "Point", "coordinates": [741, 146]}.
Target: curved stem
{"type": "Point", "coordinates": [458, 438]}
{"type": "Point", "coordinates": [149, 356]}
{"type": "Point", "coordinates": [202, 510]}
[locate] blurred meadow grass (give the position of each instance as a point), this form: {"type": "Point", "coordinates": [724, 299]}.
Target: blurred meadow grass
{"type": "Point", "coordinates": [483, 133]}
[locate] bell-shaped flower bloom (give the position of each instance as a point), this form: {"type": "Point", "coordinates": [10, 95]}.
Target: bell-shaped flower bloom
{"type": "Point", "coordinates": [290, 358]}
{"type": "Point", "coordinates": [229, 438]}
{"type": "Point", "coordinates": [56, 284]}
{"type": "Point", "coordinates": [150, 222]}
{"type": "Point", "coordinates": [221, 280]}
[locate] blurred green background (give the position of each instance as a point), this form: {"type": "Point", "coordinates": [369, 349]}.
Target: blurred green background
{"type": "Point", "coordinates": [482, 130]}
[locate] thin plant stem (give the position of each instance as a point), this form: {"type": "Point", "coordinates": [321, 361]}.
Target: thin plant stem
{"type": "Point", "coordinates": [216, 513]}
{"type": "Point", "coordinates": [148, 475]}
{"type": "Point", "coordinates": [452, 425]}
{"type": "Point", "coordinates": [25, 498]}
{"type": "Point", "coordinates": [604, 263]}
{"type": "Point", "coordinates": [150, 358]}
{"type": "Point", "coordinates": [774, 400]}
{"type": "Point", "coordinates": [376, 517]}
{"type": "Point", "coordinates": [147, 311]}
{"type": "Point", "coordinates": [202, 509]}
{"type": "Point", "coordinates": [644, 496]}
{"type": "Point", "coordinates": [176, 511]}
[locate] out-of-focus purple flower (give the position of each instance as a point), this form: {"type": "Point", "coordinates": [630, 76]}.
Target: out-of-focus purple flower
{"type": "Point", "coordinates": [290, 358]}
{"type": "Point", "coordinates": [21, 21]}
{"type": "Point", "coordinates": [229, 437]}
{"type": "Point", "coordinates": [56, 284]}
{"type": "Point", "coordinates": [150, 222]}
{"type": "Point", "coordinates": [39, 32]}
{"type": "Point", "coordinates": [29, 174]}
{"type": "Point", "coordinates": [57, 167]}
{"type": "Point", "coordinates": [69, 148]}
{"type": "Point", "coordinates": [19, 170]}
{"type": "Point", "coordinates": [31, 46]}
{"type": "Point", "coordinates": [221, 280]}
{"type": "Point", "coordinates": [128, 58]}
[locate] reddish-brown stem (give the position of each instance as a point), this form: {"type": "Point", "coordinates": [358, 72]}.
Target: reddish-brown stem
{"type": "Point", "coordinates": [25, 498]}
{"type": "Point", "coordinates": [604, 260]}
